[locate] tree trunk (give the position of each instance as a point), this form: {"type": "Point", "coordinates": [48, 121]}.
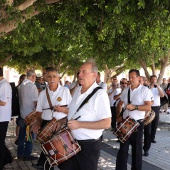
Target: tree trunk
{"type": "Point", "coordinates": [6, 59]}
{"type": "Point", "coordinates": [143, 65]}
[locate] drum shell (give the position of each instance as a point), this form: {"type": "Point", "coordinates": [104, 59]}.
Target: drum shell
{"type": "Point", "coordinates": [47, 131]}
{"type": "Point", "coordinates": [149, 116]}
{"type": "Point", "coordinates": [125, 128]}
{"type": "Point", "coordinates": [61, 147]}
{"type": "Point", "coordinates": [31, 118]}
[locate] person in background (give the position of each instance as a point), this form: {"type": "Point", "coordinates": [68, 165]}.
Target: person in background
{"type": "Point", "coordinates": [164, 85]}
{"type": "Point", "coordinates": [67, 84]}
{"type": "Point", "coordinates": [38, 84]}
{"type": "Point", "coordinates": [100, 83]}
{"type": "Point", "coordinates": [5, 117]}
{"type": "Point", "coordinates": [74, 85]}
{"type": "Point", "coordinates": [21, 79]}
{"type": "Point", "coordinates": [28, 96]}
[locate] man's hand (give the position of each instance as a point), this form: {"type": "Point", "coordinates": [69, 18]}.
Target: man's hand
{"type": "Point", "coordinates": [130, 107]}
{"type": "Point", "coordinates": [35, 128]}
{"type": "Point", "coordinates": [73, 124]}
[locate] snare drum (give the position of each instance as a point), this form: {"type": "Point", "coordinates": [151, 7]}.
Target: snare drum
{"type": "Point", "coordinates": [149, 116]}
{"type": "Point", "coordinates": [30, 119]}
{"type": "Point", "coordinates": [47, 131]}
{"type": "Point", "coordinates": [61, 147]}
{"type": "Point", "coordinates": [126, 128]}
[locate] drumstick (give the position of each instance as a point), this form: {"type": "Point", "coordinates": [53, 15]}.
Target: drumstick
{"type": "Point", "coordinates": [63, 105]}
{"type": "Point", "coordinates": [77, 118]}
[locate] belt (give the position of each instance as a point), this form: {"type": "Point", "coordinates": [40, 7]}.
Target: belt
{"type": "Point", "coordinates": [140, 120]}
{"type": "Point", "coordinates": [88, 140]}
{"type": "Point", "coordinates": [155, 106]}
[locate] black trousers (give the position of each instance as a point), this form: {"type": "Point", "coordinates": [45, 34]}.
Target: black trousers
{"type": "Point", "coordinates": [136, 141]}
{"type": "Point", "coordinates": [113, 123]}
{"type": "Point", "coordinates": [5, 155]}
{"type": "Point", "coordinates": [86, 159]}
{"type": "Point", "coordinates": [147, 137]}
{"type": "Point", "coordinates": [154, 123]}
{"type": "Point", "coordinates": [42, 159]}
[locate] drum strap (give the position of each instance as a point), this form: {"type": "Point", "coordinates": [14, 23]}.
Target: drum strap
{"type": "Point", "coordinates": [86, 100]}
{"type": "Point", "coordinates": [49, 100]}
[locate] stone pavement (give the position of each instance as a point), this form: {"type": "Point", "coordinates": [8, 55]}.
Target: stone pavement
{"type": "Point", "coordinates": [158, 159]}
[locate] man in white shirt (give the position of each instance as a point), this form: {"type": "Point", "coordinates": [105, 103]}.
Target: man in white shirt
{"type": "Point", "coordinates": [94, 117]}
{"type": "Point", "coordinates": [150, 129]}
{"type": "Point", "coordinates": [140, 101]}
{"type": "Point", "coordinates": [60, 98]}
{"type": "Point", "coordinates": [5, 116]}
{"type": "Point", "coordinates": [28, 96]}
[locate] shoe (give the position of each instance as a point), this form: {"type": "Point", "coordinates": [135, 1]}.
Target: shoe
{"type": "Point", "coordinates": [153, 141]}
{"type": "Point", "coordinates": [16, 142]}
{"type": "Point", "coordinates": [37, 166]}
{"type": "Point", "coordinates": [20, 157]}
{"type": "Point", "coordinates": [30, 158]}
{"type": "Point", "coordinates": [146, 153]}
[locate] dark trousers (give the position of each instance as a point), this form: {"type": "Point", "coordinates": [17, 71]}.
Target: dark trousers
{"type": "Point", "coordinates": [136, 141]}
{"type": "Point", "coordinates": [42, 159]}
{"type": "Point", "coordinates": [147, 137]}
{"type": "Point", "coordinates": [5, 155]}
{"type": "Point", "coordinates": [113, 111]}
{"type": "Point", "coordinates": [154, 123]}
{"type": "Point", "coordinates": [86, 159]}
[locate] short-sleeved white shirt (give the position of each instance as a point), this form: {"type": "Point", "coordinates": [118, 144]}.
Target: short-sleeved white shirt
{"type": "Point", "coordinates": [137, 97]}
{"type": "Point", "coordinates": [156, 97]}
{"type": "Point", "coordinates": [5, 96]}
{"type": "Point", "coordinates": [103, 85]}
{"type": "Point", "coordinates": [97, 108]}
{"type": "Point", "coordinates": [28, 94]}
{"type": "Point", "coordinates": [111, 97]}
{"type": "Point", "coordinates": [59, 97]}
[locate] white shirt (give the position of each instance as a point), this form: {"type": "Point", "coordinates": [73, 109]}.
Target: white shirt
{"type": "Point", "coordinates": [156, 96]}
{"type": "Point", "coordinates": [59, 97]}
{"type": "Point", "coordinates": [5, 96]}
{"type": "Point", "coordinates": [28, 94]}
{"type": "Point", "coordinates": [97, 108]}
{"type": "Point", "coordinates": [111, 97]}
{"type": "Point", "coordinates": [137, 97]}
{"type": "Point", "coordinates": [103, 85]}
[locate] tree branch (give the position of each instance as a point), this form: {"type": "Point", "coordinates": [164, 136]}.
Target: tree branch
{"type": "Point", "coordinates": [25, 5]}
{"type": "Point", "coordinates": [6, 59]}
{"type": "Point", "coordinates": [143, 65]}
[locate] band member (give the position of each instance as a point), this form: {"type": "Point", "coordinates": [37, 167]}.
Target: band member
{"type": "Point", "coordinates": [94, 117]}
{"type": "Point", "coordinates": [140, 101]}
{"type": "Point", "coordinates": [28, 96]}
{"type": "Point", "coordinates": [150, 129]}
{"type": "Point", "coordinates": [59, 96]}
{"type": "Point", "coordinates": [5, 116]}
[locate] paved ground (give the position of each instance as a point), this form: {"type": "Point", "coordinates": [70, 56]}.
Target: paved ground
{"type": "Point", "coordinates": [158, 158]}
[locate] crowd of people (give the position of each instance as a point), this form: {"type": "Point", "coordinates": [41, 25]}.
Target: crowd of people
{"type": "Point", "coordinates": [106, 107]}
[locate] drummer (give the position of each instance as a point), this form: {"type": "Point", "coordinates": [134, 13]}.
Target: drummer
{"type": "Point", "coordinates": [60, 97]}
{"type": "Point", "coordinates": [94, 117]}
{"type": "Point", "coordinates": [140, 101]}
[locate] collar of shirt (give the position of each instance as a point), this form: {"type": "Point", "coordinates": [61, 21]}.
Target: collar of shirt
{"type": "Point", "coordinates": [58, 88]}
{"type": "Point", "coordinates": [90, 89]}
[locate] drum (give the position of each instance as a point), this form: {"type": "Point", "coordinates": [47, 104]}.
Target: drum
{"type": "Point", "coordinates": [61, 147]}
{"type": "Point", "coordinates": [30, 119]}
{"type": "Point", "coordinates": [126, 128]}
{"type": "Point", "coordinates": [149, 116]}
{"type": "Point", "coordinates": [47, 131]}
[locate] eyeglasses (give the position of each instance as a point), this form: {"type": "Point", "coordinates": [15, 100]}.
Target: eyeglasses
{"type": "Point", "coordinates": [123, 83]}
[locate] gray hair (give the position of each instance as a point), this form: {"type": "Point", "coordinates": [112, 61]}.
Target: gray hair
{"type": "Point", "coordinates": [93, 64]}
{"type": "Point", "coordinates": [30, 72]}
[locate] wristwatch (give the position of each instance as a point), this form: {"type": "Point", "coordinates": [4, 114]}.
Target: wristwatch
{"type": "Point", "coordinates": [136, 107]}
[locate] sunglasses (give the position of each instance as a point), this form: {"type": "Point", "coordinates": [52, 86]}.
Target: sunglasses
{"type": "Point", "coordinates": [123, 83]}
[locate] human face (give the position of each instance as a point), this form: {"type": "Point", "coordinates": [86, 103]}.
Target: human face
{"type": "Point", "coordinates": [153, 80]}
{"type": "Point", "coordinates": [134, 79]}
{"type": "Point", "coordinates": [53, 79]}
{"type": "Point", "coordinates": [86, 76]}
{"type": "Point", "coordinates": [123, 84]}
